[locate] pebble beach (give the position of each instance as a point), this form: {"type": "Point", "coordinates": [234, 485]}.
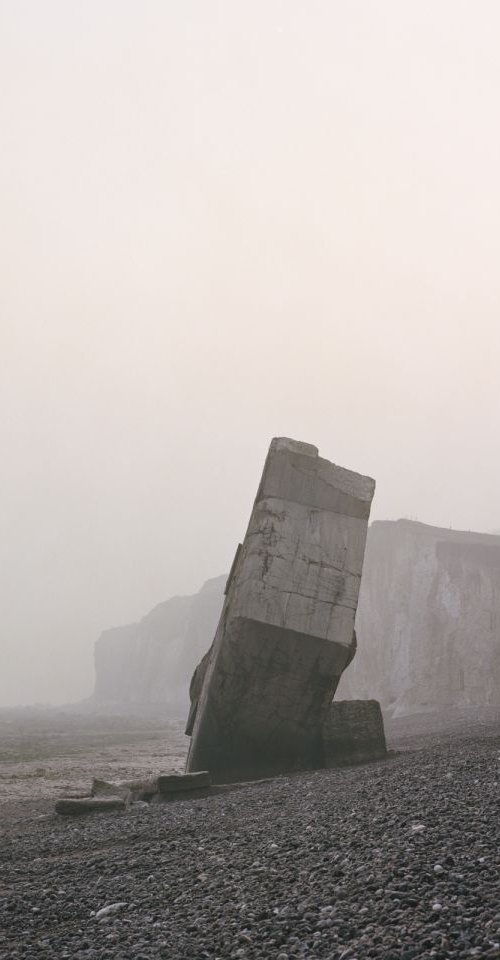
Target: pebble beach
{"type": "Point", "coordinates": [396, 859]}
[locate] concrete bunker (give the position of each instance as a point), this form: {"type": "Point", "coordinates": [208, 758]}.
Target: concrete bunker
{"type": "Point", "coordinates": [262, 695]}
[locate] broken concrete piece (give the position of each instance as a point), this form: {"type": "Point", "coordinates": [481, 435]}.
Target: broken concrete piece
{"type": "Point", "coordinates": [286, 630]}
{"type": "Point", "coordinates": [71, 807]}
{"type": "Point", "coordinates": [129, 790]}
{"type": "Point", "coordinates": [102, 788]}
{"type": "Point", "coordinates": [353, 732]}
{"type": "Point", "coordinates": [175, 783]}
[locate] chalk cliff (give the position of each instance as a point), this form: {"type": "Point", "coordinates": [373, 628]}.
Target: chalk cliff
{"type": "Point", "coordinates": [151, 662]}
{"type": "Point", "coordinates": [428, 626]}
{"type": "Point", "coordinates": [428, 620]}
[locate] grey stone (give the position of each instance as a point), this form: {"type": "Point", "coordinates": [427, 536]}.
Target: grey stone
{"type": "Point", "coordinates": [286, 629]}
{"type": "Point", "coordinates": [72, 807]}
{"type": "Point", "coordinates": [111, 908]}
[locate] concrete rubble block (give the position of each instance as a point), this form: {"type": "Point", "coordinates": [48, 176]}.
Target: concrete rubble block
{"type": "Point", "coordinates": [73, 807]}
{"type": "Point", "coordinates": [174, 784]}
{"type": "Point", "coordinates": [129, 790]}
{"type": "Point", "coordinates": [286, 630]}
{"type": "Point", "coordinates": [353, 732]}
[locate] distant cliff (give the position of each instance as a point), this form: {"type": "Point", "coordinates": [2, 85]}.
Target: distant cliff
{"type": "Point", "coordinates": [151, 662]}
{"type": "Point", "coordinates": [428, 620]}
{"type": "Point", "coordinates": [428, 628]}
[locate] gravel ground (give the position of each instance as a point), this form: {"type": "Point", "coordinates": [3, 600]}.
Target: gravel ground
{"type": "Point", "coordinates": [398, 859]}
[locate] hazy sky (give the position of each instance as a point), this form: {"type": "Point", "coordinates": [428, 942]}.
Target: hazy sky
{"type": "Point", "coordinates": [221, 221]}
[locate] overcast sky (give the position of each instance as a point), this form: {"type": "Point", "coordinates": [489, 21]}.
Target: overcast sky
{"type": "Point", "coordinates": [222, 221]}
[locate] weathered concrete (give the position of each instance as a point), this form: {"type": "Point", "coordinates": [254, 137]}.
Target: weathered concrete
{"type": "Point", "coordinates": [286, 630]}
{"type": "Point", "coordinates": [353, 732]}
{"type": "Point", "coordinates": [128, 790]}
{"type": "Point", "coordinates": [184, 782]}
{"type": "Point", "coordinates": [76, 806]}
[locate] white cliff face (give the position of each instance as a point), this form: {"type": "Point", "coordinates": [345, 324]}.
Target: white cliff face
{"type": "Point", "coordinates": [428, 625]}
{"type": "Point", "coordinates": [428, 619]}
{"type": "Point", "coordinates": [151, 662]}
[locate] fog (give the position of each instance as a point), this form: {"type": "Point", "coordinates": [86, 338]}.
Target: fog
{"type": "Point", "coordinates": [224, 221]}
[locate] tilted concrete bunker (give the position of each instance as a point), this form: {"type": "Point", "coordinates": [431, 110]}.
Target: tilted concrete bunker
{"type": "Point", "coordinates": [262, 695]}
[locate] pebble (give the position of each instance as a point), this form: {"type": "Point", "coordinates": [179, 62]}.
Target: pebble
{"type": "Point", "coordinates": [111, 908]}
{"type": "Point", "coordinates": [196, 879]}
